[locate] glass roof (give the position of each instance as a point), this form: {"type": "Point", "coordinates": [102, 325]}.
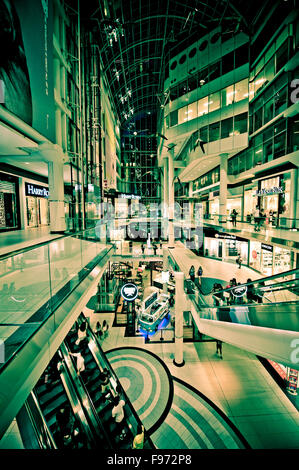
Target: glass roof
{"type": "Point", "coordinates": [137, 38]}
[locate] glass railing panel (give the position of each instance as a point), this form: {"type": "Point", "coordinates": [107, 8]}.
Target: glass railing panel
{"type": "Point", "coordinates": [34, 282]}
{"type": "Point", "coordinates": [24, 285]}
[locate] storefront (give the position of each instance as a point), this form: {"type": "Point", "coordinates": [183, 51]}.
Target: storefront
{"type": "Point", "coordinates": [250, 200]}
{"type": "Point", "coordinates": [283, 260]}
{"type": "Point", "coordinates": [255, 255]}
{"type": "Point", "coordinates": [274, 196]}
{"type": "Point", "coordinates": [9, 202]}
{"type": "Point", "coordinates": [37, 205]}
{"type": "Point", "coordinates": [266, 259]}
{"type": "Point", "coordinates": [225, 246]}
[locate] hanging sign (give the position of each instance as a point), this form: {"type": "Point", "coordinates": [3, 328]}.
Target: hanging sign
{"type": "Point", "coordinates": [129, 292]}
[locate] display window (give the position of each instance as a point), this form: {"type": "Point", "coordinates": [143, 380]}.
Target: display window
{"type": "Point", "coordinates": [8, 202]}
{"type": "Point", "coordinates": [282, 260]}
{"type": "Point", "coordinates": [214, 206]}
{"type": "Point", "coordinates": [267, 259]}
{"type": "Point", "coordinates": [255, 255]}
{"type": "Point", "coordinates": [226, 250]}
{"type": "Point", "coordinates": [37, 208]}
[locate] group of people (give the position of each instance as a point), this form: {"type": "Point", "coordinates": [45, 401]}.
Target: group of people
{"type": "Point", "coordinates": [251, 294]}
{"type": "Point", "coordinates": [101, 331]}
{"type": "Point", "coordinates": [192, 273]}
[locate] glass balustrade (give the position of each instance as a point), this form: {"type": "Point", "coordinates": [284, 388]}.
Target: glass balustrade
{"type": "Point", "coordinates": [35, 281]}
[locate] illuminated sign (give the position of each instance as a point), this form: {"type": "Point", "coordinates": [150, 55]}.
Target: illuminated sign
{"type": "Point", "coordinates": [129, 292]}
{"type": "Point", "coordinates": [129, 196]}
{"type": "Point", "coordinates": [269, 192]}
{"type": "Point", "coordinates": [38, 191]}
{"type": "Point", "coordinates": [267, 247]}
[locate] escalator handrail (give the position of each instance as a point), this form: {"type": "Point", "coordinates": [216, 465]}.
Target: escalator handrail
{"type": "Point", "coordinates": [45, 425]}
{"type": "Point", "coordinates": [92, 407]}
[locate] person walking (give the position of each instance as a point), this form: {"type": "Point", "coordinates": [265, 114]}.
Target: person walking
{"type": "Point", "coordinates": [138, 441]}
{"type": "Point", "coordinates": [155, 248]}
{"type": "Point", "coordinates": [192, 273]}
{"type": "Point", "coordinates": [219, 348]}
{"type": "Point", "coordinates": [105, 328]}
{"type": "Point", "coordinates": [256, 216]}
{"type": "Point", "coordinates": [98, 330]}
{"type": "Point", "coordinates": [199, 272]}
{"type": "Point", "coordinates": [142, 248]}
{"type": "Point", "coordinates": [239, 261]}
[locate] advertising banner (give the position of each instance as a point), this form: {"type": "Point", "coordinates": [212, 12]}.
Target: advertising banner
{"type": "Point", "coordinates": [26, 62]}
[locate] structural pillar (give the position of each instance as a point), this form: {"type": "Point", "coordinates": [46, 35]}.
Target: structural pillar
{"type": "Point", "coordinates": [165, 268]}
{"type": "Point", "coordinates": [179, 320]}
{"type": "Point", "coordinates": [171, 197]}
{"type": "Point", "coordinates": [56, 197]}
{"type": "Point", "coordinates": [223, 187]}
{"type": "Point", "coordinates": [165, 199]}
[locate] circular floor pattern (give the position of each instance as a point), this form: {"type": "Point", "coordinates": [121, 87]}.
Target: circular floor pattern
{"type": "Point", "coordinates": [146, 382]}
{"type": "Point", "coordinates": [196, 423]}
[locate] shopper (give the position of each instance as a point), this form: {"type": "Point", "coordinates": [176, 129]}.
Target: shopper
{"type": "Point", "coordinates": [192, 273]}
{"type": "Point", "coordinates": [138, 441]}
{"type": "Point", "coordinates": [118, 414]}
{"type": "Point", "coordinates": [80, 362]}
{"type": "Point", "coordinates": [98, 330]}
{"type": "Point", "coordinates": [142, 248]}
{"type": "Point", "coordinates": [250, 292]}
{"type": "Point", "coordinates": [256, 215]}
{"type": "Point", "coordinates": [239, 261]}
{"type": "Point", "coordinates": [171, 300]}
{"type": "Point", "coordinates": [199, 272]}
{"type": "Point", "coordinates": [219, 348]}
{"type": "Point", "coordinates": [82, 333]}
{"type": "Point", "coordinates": [234, 214]}
{"type": "Point", "coordinates": [105, 328]}
{"type": "Point", "coordinates": [155, 248]}
{"type": "Point", "coordinates": [105, 383]}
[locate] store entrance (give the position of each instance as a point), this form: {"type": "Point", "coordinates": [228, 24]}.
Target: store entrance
{"type": "Point", "coordinates": [37, 211]}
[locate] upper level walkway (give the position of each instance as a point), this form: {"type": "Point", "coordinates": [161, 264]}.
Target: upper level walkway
{"type": "Point", "coordinates": [20, 239]}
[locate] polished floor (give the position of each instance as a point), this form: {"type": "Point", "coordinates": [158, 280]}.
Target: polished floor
{"type": "Point", "coordinates": [19, 239]}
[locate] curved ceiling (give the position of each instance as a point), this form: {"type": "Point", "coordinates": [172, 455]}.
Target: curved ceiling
{"type": "Point", "coordinates": [137, 37]}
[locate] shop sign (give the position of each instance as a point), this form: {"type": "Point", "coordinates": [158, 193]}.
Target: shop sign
{"type": "Point", "coordinates": [129, 196]}
{"type": "Point", "coordinates": [34, 190]}
{"type": "Point", "coordinates": [269, 192]}
{"type": "Point", "coordinates": [267, 247]}
{"type": "Point", "coordinates": [129, 292]}
{"type": "Point", "coordinates": [225, 236]}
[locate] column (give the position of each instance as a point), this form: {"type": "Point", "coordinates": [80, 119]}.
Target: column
{"type": "Point", "coordinates": [170, 197]}
{"type": "Point", "coordinates": [56, 197]}
{"type": "Point", "coordinates": [223, 187]}
{"type": "Point", "coordinates": [165, 267]}
{"type": "Point", "coordinates": [294, 196]}
{"type": "Point", "coordinates": [179, 309]}
{"type": "Point", "coordinates": [165, 198]}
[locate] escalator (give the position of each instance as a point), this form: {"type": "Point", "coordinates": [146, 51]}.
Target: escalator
{"type": "Point", "coordinates": [95, 361]}
{"type": "Point", "coordinates": [270, 302]}
{"type": "Point", "coordinates": [260, 316]}
{"type": "Point", "coordinates": [61, 408]}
